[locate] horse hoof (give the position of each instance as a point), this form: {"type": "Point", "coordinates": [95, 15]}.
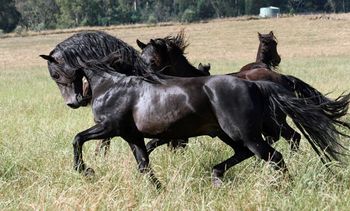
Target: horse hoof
{"type": "Point", "coordinates": [217, 182]}
{"type": "Point", "coordinates": [89, 172]}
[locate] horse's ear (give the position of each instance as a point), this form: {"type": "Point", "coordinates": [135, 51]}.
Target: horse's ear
{"type": "Point", "coordinates": [152, 42]}
{"type": "Point", "coordinates": [204, 68]}
{"type": "Point", "coordinates": [259, 35]}
{"type": "Point", "coordinates": [49, 58]}
{"type": "Point", "coordinates": [208, 66]}
{"type": "Point", "coordinates": [140, 44]}
{"type": "Point", "coordinates": [271, 33]}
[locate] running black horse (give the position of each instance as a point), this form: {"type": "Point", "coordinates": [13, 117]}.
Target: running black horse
{"type": "Point", "coordinates": [261, 71]}
{"type": "Point", "coordinates": [95, 45]}
{"type": "Point", "coordinates": [135, 107]}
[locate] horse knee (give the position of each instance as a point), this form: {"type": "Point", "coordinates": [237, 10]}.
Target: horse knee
{"type": "Point", "coordinates": [77, 141]}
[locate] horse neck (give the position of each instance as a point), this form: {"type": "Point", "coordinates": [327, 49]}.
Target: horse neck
{"type": "Point", "coordinates": [264, 55]}
{"type": "Point", "coordinates": [183, 68]}
{"type": "Point", "coordinates": [96, 79]}
{"type": "Point", "coordinates": [260, 56]}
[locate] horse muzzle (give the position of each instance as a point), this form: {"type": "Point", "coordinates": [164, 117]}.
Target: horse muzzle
{"type": "Point", "coordinates": [76, 102]}
{"type": "Point", "coordinates": [83, 100]}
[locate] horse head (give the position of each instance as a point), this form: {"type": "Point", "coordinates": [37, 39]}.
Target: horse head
{"type": "Point", "coordinates": [167, 55]}
{"type": "Point", "coordinates": [267, 52]}
{"type": "Point", "coordinates": [155, 53]}
{"type": "Point", "coordinates": [69, 81]}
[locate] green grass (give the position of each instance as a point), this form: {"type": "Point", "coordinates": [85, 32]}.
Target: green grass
{"type": "Point", "coordinates": [37, 130]}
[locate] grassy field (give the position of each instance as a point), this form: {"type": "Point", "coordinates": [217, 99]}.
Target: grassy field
{"type": "Point", "coordinates": [37, 128]}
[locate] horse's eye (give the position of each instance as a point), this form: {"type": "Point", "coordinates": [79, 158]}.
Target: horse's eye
{"type": "Point", "coordinates": [56, 76]}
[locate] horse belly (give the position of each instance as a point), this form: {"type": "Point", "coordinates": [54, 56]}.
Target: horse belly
{"type": "Point", "coordinates": [152, 121]}
{"type": "Point", "coordinates": [189, 126]}
{"type": "Point", "coordinates": [174, 118]}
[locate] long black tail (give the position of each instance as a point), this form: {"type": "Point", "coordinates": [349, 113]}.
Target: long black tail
{"type": "Point", "coordinates": [334, 109]}
{"type": "Point", "coordinates": [318, 127]}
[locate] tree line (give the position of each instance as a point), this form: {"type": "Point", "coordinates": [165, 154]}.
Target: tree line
{"type": "Point", "coordinates": [52, 14]}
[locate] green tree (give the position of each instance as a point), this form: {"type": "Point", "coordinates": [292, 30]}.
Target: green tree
{"type": "Point", "coordinates": [38, 14]}
{"type": "Point", "coordinates": [205, 9]}
{"type": "Point", "coordinates": [9, 16]}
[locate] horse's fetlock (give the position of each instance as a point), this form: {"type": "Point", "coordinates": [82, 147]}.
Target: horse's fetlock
{"type": "Point", "coordinates": [218, 173]}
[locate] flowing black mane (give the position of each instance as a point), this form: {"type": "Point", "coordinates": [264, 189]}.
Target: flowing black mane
{"type": "Point", "coordinates": [177, 44]}
{"type": "Point", "coordinates": [169, 57]}
{"type": "Point", "coordinates": [96, 45]}
{"type": "Point", "coordinates": [116, 61]}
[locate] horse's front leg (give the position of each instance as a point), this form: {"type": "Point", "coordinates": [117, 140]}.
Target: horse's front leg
{"type": "Point", "coordinates": [99, 131]}
{"type": "Point", "coordinates": [140, 153]}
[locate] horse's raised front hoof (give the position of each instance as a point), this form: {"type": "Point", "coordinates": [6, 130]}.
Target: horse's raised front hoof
{"type": "Point", "coordinates": [89, 172]}
{"type": "Point", "coordinates": [217, 182]}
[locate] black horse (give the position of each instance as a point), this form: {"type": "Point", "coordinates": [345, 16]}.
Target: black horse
{"type": "Point", "coordinates": [135, 107]}
{"type": "Point", "coordinates": [267, 55]}
{"type": "Point", "coordinates": [172, 49]}
{"type": "Point", "coordinates": [169, 57]}
{"type": "Point", "coordinates": [89, 45]}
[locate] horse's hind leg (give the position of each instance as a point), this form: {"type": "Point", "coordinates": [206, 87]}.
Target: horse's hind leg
{"type": "Point", "coordinates": [103, 145]}
{"type": "Point", "coordinates": [178, 143]}
{"type": "Point", "coordinates": [263, 150]}
{"type": "Point", "coordinates": [173, 144]}
{"type": "Point", "coordinates": [274, 128]}
{"type": "Point", "coordinates": [241, 153]}
{"type": "Point", "coordinates": [252, 139]}
{"type": "Point", "coordinates": [292, 136]}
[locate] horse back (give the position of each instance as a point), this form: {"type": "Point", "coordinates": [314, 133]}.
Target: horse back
{"type": "Point", "coordinates": [258, 74]}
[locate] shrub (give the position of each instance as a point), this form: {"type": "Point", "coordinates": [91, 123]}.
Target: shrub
{"type": "Point", "coordinates": [188, 16]}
